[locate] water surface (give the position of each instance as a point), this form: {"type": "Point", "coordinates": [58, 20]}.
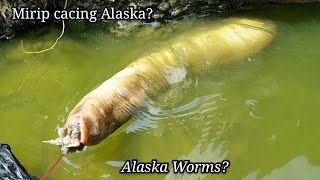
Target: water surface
{"type": "Point", "coordinates": [262, 115]}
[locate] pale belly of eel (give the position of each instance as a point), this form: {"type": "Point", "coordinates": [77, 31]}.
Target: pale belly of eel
{"type": "Point", "coordinates": [105, 109]}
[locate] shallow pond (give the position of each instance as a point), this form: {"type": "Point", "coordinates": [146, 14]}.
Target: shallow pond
{"type": "Point", "coordinates": [262, 115]}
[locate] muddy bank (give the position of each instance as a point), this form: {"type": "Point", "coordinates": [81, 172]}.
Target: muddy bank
{"type": "Point", "coordinates": [163, 10]}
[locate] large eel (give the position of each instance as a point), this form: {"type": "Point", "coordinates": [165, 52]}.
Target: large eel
{"type": "Point", "coordinates": [105, 109]}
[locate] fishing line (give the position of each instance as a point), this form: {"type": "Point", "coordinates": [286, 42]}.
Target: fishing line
{"type": "Point", "coordinates": [55, 43]}
{"type": "Point", "coordinates": [44, 177]}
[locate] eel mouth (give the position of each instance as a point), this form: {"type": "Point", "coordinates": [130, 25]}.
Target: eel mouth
{"type": "Point", "coordinates": [69, 139]}
{"type": "Point", "coordinates": [74, 136]}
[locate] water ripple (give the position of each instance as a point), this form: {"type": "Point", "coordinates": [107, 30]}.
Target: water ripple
{"type": "Point", "coordinates": [148, 117]}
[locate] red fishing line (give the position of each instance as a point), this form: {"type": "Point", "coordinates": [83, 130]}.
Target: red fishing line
{"type": "Point", "coordinates": [44, 177]}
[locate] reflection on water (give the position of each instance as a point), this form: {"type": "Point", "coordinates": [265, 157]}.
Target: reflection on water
{"type": "Point", "coordinates": [297, 168]}
{"type": "Point", "coordinates": [213, 153]}
{"type": "Point", "coordinates": [261, 114]}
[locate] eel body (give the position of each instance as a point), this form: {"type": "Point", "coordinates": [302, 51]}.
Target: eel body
{"type": "Point", "coordinates": [105, 109]}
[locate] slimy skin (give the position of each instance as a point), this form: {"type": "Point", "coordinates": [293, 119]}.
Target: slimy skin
{"type": "Point", "coordinates": [105, 109]}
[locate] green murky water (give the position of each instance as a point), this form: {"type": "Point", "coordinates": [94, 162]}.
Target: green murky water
{"type": "Point", "coordinates": [262, 115]}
